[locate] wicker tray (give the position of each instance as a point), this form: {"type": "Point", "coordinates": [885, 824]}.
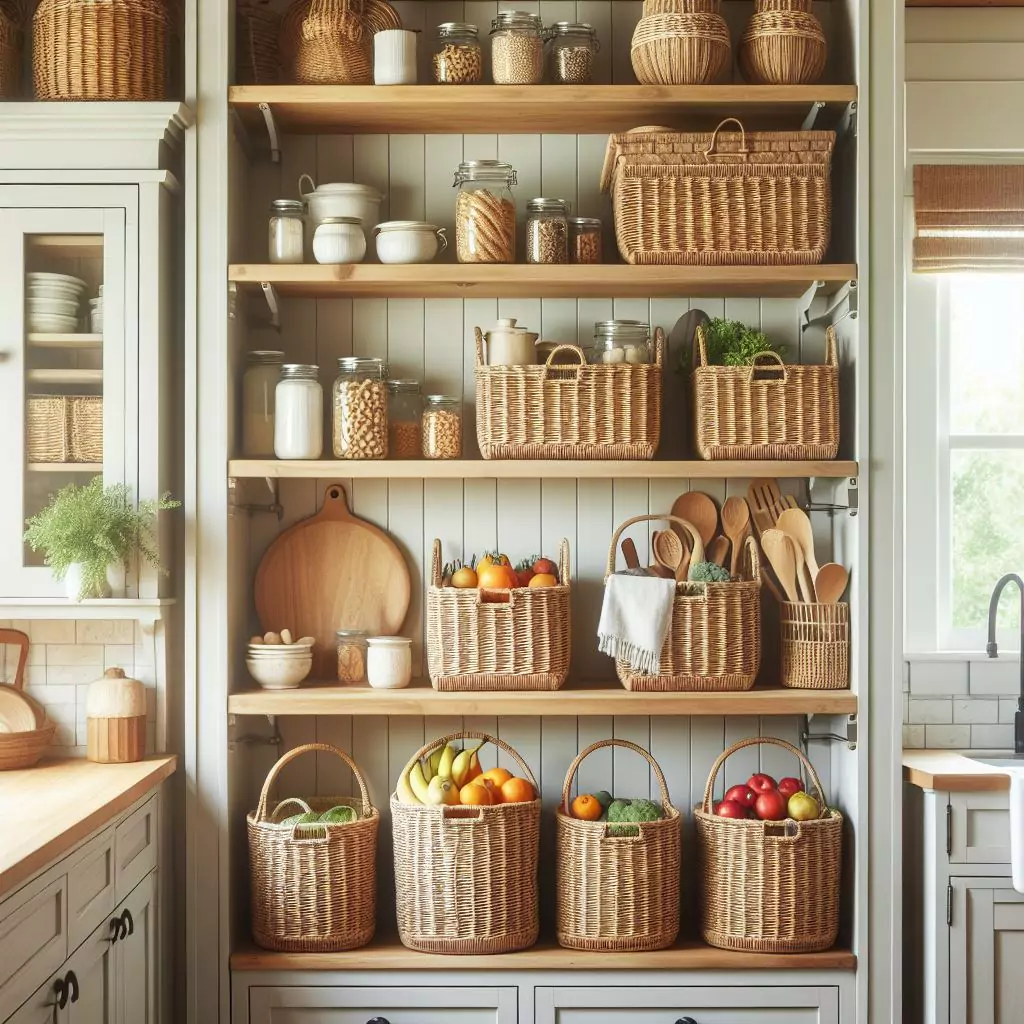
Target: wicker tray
{"type": "Point", "coordinates": [23, 749]}
{"type": "Point", "coordinates": [815, 645]}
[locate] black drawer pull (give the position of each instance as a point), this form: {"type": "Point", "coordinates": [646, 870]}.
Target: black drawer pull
{"type": "Point", "coordinates": [60, 993]}
{"type": "Point", "coordinates": [71, 980]}
{"type": "Point", "coordinates": [128, 924]}
{"type": "Point", "coordinates": [115, 926]}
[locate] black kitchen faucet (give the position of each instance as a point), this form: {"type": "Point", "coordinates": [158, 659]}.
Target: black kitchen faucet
{"type": "Point", "coordinates": [992, 650]}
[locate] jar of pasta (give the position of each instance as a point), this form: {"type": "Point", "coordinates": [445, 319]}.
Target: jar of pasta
{"type": "Point", "coordinates": [485, 212]}
{"type": "Point", "coordinates": [586, 240]}
{"type": "Point", "coordinates": [405, 407]}
{"type": "Point", "coordinates": [517, 49]}
{"type": "Point", "coordinates": [442, 428]}
{"type": "Point", "coordinates": [458, 57]}
{"type": "Point", "coordinates": [360, 410]}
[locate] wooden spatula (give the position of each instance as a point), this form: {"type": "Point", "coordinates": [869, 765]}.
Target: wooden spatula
{"type": "Point", "coordinates": [780, 551]}
{"type": "Point", "coordinates": [767, 503]}
{"type": "Point", "coordinates": [718, 552]}
{"type": "Point", "coordinates": [794, 522]}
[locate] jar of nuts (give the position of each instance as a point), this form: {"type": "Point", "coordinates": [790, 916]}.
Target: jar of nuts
{"type": "Point", "coordinates": [405, 406]}
{"type": "Point", "coordinates": [360, 410]}
{"type": "Point", "coordinates": [586, 241]}
{"type": "Point", "coordinates": [547, 231]}
{"type": "Point", "coordinates": [351, 655]}
{"type": "Point", "coordinates": [572, 47]}
{"type": "Point", "coordinates": [458, 57]}
{"type": "Point", "coordinates": [517, 49]}
{"type": "Point", "coordinates": [485, 212]}
{"type": "Point", "coordinates": [442, 428]}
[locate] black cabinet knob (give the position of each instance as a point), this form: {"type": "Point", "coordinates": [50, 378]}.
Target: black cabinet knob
{"type": "Point", "coordinates": [129, 924]}
{"type": "Point", "coordinates": [686, 1020]}
{"type": "Point", "coordinates": [60, 993]}
{"type": "Point", "coordinates": [378, 1020]}
{"type": "Point", "coordinates": [71, 981]}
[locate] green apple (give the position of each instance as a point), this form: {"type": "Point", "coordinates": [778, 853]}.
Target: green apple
{"type": "Point", "coordinates": [802, 807]}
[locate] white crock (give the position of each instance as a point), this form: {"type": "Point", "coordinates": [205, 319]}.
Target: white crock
{"type": "Point", "coordinates": [339, 199]}
{"type": "Point", "coordinates": [339, 240]}
{"type": "Point", "coordinates": [508, 345]}
{"type": "Point", "coordinates": [409, 241]}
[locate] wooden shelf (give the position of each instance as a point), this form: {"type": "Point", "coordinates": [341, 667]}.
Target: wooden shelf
{"type": "Point", "coordinates": [443, 109]}
{"type": "Point", "coordinates": [65, 467]}
{"type": "Point", "coordinates": [72, 377]}
{"type": "Point", "coordinates": [474, 281]}
{"type": "Point", "coordinates": [604, 698]}
{"type": "Point", "coordinates": [66, 340]}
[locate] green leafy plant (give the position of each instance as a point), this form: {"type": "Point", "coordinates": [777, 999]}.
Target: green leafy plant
{"type": "Point", "coordinates": [731, 343]}
{"type": "Point", "coordinates": [708, 572]}
{"type": "Point", "coordinates": [96, 527]}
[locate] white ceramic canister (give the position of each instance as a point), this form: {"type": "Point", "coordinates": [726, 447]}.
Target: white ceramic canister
{"type": "Point", "coordinates": [339, 240]}
{"type": "Point", "coordinates": [339, 199]}
{"type": "Point", "coordinates": [509, 345]}
{"type": "Point", "coordinates": [299, 413]}
{"type": "Point", "coordinates": [388, 662]}
{"type": "Point", "coordinates": [409, 241]}
{"type": "Point", "coordinates": [394, 57]}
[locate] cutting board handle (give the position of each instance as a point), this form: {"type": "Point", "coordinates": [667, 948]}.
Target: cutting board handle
{"type": "Point", "coordinates": [15, 638]}
{"type": "Point", "coordinates": [335, 504]}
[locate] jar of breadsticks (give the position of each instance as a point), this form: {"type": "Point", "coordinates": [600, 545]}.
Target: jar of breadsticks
{"type": "Point", "coordinates": [485, 212]}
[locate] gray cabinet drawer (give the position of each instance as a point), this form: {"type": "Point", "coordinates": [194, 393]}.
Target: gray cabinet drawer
{"type": "Point", "coordinates": [91, 887]}
{"type": "Point", "coordinates": [135, 846]}
{"type": "Point", "coordinates": [979, 828]}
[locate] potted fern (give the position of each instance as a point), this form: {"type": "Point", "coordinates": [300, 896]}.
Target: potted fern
{"type": "Point", "coordinates": [86, 530]}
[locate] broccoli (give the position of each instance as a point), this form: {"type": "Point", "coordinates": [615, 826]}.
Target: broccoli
{"type": "Point", "coordinates": [632, 810]}
{"type": "Point", "coordinates": [708, 572]}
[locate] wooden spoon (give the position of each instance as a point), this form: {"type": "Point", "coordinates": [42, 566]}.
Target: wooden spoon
{"type": "Point", "coordinates": [794, 522]}
{"type": "Point", "coordinates": [668, 552]}
{"type": "Point", "coordinates": [735, 524]}
{"type": "Point", "coordinates": [657, 569]}
{"type": "Point", "coordinates": [699, 509]}
{"type": "Point", "coordinates": [629, 554]}
{"type": "Point", "coordinates": [781, 552]}
{"type": "Point", "coordinates": [831, 582]}
{"type": "Point", "coordinates": [718, 552]}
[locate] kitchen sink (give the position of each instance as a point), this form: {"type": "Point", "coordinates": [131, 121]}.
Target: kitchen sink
{"type": "Point", "coordinates": [1007, 760]}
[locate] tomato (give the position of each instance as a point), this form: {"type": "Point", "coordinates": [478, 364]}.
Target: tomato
{"type": "Point", "coordinates": [496, 577]}
{"type": "Point", "coordinates": [464, 579]}
{"type": "Point", "coordinates": [545, 567]}
{"type": "Point", "coordinates": [543, 579]}
{"type": "Point", "coordinates": [524, 572]}
{"type": "Point", "coordinates": [492, 558]}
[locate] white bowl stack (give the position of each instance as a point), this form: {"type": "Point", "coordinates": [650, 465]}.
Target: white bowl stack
{"type": "Point", "coordinates": [280, 666]}
{"type": "Point", "coordinates": [54, 303]}
{"type": "Point", "coordinates": [96, 313]}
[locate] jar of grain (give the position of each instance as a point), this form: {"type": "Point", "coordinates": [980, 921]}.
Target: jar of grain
{"type": "Point", "coordinates": [285, 231]}
{"type": "Point", "coordinates": [442, 428]}
{"type": "Point", "coordinates": [517, 49]}
{"type": "Point", "coordinates": [572, 47]}
{"type": "Point", "coordinates": [351, 655]}
{"type": "Point", "coordinates": [485, 212]}
{"type": "Point", "coordinates": [360, 410]}
{"type": "Point", "coordinates": [299, 413]}
{"type": "Point", "coordinates": [458, 56]}
{"type": "Point", "coordinates": [621, 341]}
{"type": "Point", "coordinates": [262, 372]}
{"type": "Point", "coordinates": [547, 231]}
{"type": "Point", "coordinates": [586, 240]}
{"type": "Point", "coordinates": [405, 407]}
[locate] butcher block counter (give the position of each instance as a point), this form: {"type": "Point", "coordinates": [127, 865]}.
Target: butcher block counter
{"type": "Point", "coordinates": [951, 772]}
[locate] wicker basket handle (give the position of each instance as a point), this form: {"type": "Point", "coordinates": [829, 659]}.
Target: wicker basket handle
{"type": "Point", "coordinates": [831, 347]}
{"type": "Point", "coordinates": [659, 346]}
{"type": "Point", "coordinates": [756, 741]}
{"type": "Point", "coordinates": [698, 545]}
{"type": "Point", "coordinates": [298, 801]}
{"type": "Point", "coordinates": [712, 151]}
{"type": "Point", "coordinates": [443, 741]}
{"type": "Point", "coordinates": [479, 339]}
{"type": "Point", "coordinates": [564, 367]}
{"type": "Point", "coordinates": [578, 760]}
{"type": "Point", "coordinates": [770, 362]}
{"type": "Point", "coordinates": [16, 638]}
{"type": "Point", "coordinates": [306, 748]}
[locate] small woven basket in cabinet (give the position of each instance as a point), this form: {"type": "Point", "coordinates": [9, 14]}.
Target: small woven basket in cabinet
{"type": "Point", "coordinates": [769, 886]}
{"type": "Point", "coordinates": [815, 645]}
{"type": "Point", "coordinates": [617, 892]}
{"type": "Point", "coordinates": [64, 428]}
{"type": "Point", "coordinates": [466, 877]}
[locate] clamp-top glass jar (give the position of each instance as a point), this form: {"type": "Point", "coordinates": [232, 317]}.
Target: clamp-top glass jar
{"type": "Point", "coordinates": [405, 407]}
{"type": "Point", "coordinates": [586, 244]}
{"type": "Point", "coordinates": [547, 231]}
{"type": "Point", "coordinates": [299, 413]}
{"type": "Point", "coordinates": [517, 49]}
{"type": "Point", "coordinates": [621, 341]}
{"type": "Point", "coordinates": [259, 382]}
{"type": "Point", "coordinates": [572, 47]}
{"type": "Point", "coordinates": [360, 410]}
{"type": "Point", "coordinates": [458, 56]}
{"type": "Point", "coordinates": [485, 212]}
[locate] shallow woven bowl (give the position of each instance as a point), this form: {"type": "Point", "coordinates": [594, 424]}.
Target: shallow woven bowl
{"type": "Point", "coordinates": [680, 49]}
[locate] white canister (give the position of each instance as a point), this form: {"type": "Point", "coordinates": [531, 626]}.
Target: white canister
{"type": "Point", "coordinates": [394, 57]}
{"type": "Point", "coordinates": [299, 413]}
{"type": "Point", "coordinates": [339, 240]}
{"type": "Point", "coordinates": [340, 199]}
{"type": "Point", "coordinates": [388, 662]}
{"type": "Point", "coordinates": [509, 345]}
{"type": "Point", "coordinates": [409, 241]}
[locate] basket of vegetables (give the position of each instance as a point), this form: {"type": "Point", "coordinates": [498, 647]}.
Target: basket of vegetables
{"type": "Point", "coordinates": [313, 866]}
{"type": "Point", "coordinates": [618, 866]}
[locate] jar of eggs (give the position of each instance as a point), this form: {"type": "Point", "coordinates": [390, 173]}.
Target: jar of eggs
{"type": "Point", "coordinates": [621, 341]}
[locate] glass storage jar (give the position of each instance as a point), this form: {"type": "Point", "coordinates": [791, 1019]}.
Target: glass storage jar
{"type": "Point", "coordinates": [621, 341]}
{"type": "Point", "coordinates": [458, 56]}
{"type": "Point", "coordinates": [351, 644]}
{"type": "Point", "coordinates": [360, 410]}
{"type": "Point", "coordinates": [586, 240]}
{"type": "Point", "coordinates": [405, 407]}
{"type": "Point", "coordinates": [262, 372]}
{"type": "Point", "coordinates": [517, 49]}
{"type": "Point", "coordinates": [442, 428]}
{"type": "Point", "coordinates": [547, 231]}
{"type": "Point", "coordinates": [285, 234]}
{"type": "Point", "coordinates": [572, 47]}
{"type": "Point", "coordinates": [299, 413]}
{"type": "Point", "coordinates": [485, 212]}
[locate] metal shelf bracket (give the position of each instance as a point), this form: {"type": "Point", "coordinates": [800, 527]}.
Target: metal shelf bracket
{"type": "Point", "coordinates": [848, 296]}
{"type": "Point", "coordinates": [270, 294]}
{"type": "Point", "coordinates": [848, 122]}
{"type": "Point", "coordinates": [808, 297]}
{"type": "Point", "coordinates": [253, 739]}
{"type": "Point", "coordinates": [852, 506]}
{"type": "Point", "coordinates": [274, 508]}
{"type": "Point", "coordinates": [275, 146]}
{"type": "Point", "coordinates": [850, 739]}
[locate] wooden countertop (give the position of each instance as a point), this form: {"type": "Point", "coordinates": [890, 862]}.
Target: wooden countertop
{"type": "Point", "coordinates": [950, 770]}
{"type": "Point", "coordinates": [48, 809]}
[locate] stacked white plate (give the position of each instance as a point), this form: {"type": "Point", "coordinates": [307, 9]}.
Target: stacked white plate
{"type": "Point", "coordinates": [54, 303]}
{"type": "Point", "coordinates": [96, 313]}
{"type": "Point", "coordinates": [280, 666]}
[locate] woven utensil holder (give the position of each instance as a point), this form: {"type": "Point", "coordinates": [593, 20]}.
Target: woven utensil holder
{"type": "Point", "coordinates": [326, 42]}
{"type": "Point", "coordinates": [815, 645]}
{"type": "Point", "coordinates": [680, 49]}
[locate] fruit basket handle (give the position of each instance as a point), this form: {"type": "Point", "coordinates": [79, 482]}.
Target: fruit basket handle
{"type": "Point", "coordinates": [755, 741]}
{"type": "Point", "coordinates": [563, 562]}
{"type": "Point", "coordinates": [659, 346]}
{"type": "Point", "coordinates": [770, 362]}
{"type": "Point", "coordinates": [443, 741]}
{"type": "Point", "coordinates": [698, 546]}
{"type": "Point", "coordinates": [563, 370]}
{"type": "Point", "coordinates": [831, 347]}
{"type": "Point", "coordinates": [711, 153]}
{"type": "Point", "coordinates": [478, 337]}
{"type": "Point", "coordinates": [583, 754]}
{"type": "Point", "coordinates": [16, 638]}
{"type": "Point", "coordinates": [306, 748]}
{"type": "Point", "coordinates": [435, 564]}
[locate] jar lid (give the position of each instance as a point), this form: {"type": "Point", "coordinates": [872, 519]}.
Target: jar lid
{"type": "Point", "coordinates": [443, 400]}
{"type": "Point", "coordinates": [481, 170]}
{"type": "Point", "coordinates": [517, 19]}
{"type": "Point", "coordinates": [291, 206]}
{"type": "Point", "coordinates": [620, 328]}
{"type": "Point", "coordinates": [405, 386]}
{"type": "Point", "coordinates": [407, 225]}
{"type": "Point", "coordinates": [456, 28]}
{"type": "Point", "coordinates": [359, 364]}
{"type": "Point", "coordinates": [507, 325]}
{"type": "Point", "coordinates": [264, 357]}
{"type": "Point", "coordinates": [572, 28]}
{"type": "Point", "coordinates": [356, 221]}
{"type": "Point", "coordinates": [351, 634]}
{"type": "Point", "coordinates": [547, 206]}
{"type": "Point", "coordinates": [388, 641]}
{"type": "Point", "coordinates": [585, 222]}
{"type": "Point", "coordinates": [299, 371]}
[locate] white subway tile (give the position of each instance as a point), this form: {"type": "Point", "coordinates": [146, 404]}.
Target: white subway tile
{"type": "Point", "coordinates": [63, 714]}
{"type": "Point", "coordinates": [36, 655]}
{"type": "Point", "coordinates": [105, 631]}
{"type": "Point", "coordinates": [938, 678]}
{"type": "Point", "coordinates": [82, 732]}
{"type": "Point", "coordinates": [75, 654]}
{"type": "Point", "coordinates": [935, 710]}
{"type": "Point", "coordinates": [971, 710]}
{"type": "Point", "coordinates": [119, 656]}
{"type": "Point", "coordinates": [50, 695]}
{"type": "Point", "coordinates": [913, 737]}
{"type": "Point", "coordinates": [52, 631]}
{"type": "Point", "coordinates": [992, 737]}
{"type": "Point", "coordinates": [35, 675]}
{"type": "Point", "coordinates": [72, 675]}
{"type": "Point", "coordinates": [1007, 709]}
{"type": "Point", "coordinates": [995, 677]}
{"type": "Point", "coordinates": [150, 703]}
{"type": "Point", "coordinates": [949, 736]}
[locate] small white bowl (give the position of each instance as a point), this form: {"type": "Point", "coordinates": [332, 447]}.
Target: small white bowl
{"type": "Point", "coordinates": [39, 323]}
{"type": "Point", "coordinates": [409, 241]}
{"type": "Point", "coordinates": [53, 307]}
{"type": "Point", "coordinates": [279, 673]}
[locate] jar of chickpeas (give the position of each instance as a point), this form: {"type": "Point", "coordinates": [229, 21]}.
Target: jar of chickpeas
{"type": "Point", "coordinates": [405, 406]}
{"type": "Point", "coordinates": [442, 428]}
{"type": "Point", "coordinates": [547, 231]}
{"type": "Point", "coordinates": [572, 47]}
{"type": "Point", "coordinates": [360, 410]}
{"type": "Point", "coordinates": [458, 56]}
{"type": "Point", "coordinates": [517, 49]}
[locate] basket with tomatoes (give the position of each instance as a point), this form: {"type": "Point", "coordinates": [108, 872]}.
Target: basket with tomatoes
{"type": "Point", "coordinates": [492, 626]}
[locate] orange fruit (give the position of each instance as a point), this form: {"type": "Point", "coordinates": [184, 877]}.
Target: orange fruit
{"type": "Point", "coordinates": [496, 776]}
{"type": "Point", "coordinates": [496, 577]}
{"type": "Point", "coordinates": [587, 807]}
{"type": "Point", "coordinates": [517, 791]}
{"type": "Point", "coordinates": [543, 579]}
{"type": "Point", "coordinates": [476, 795]}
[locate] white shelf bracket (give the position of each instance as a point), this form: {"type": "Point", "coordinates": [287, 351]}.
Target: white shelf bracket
{"type": "Point", "coordinates": [846, 296]}
{"type": "Point", "coordinates": [812, 115]}
{"type": "Point", "coordinates": [270, 294]}
{"type": "Point", "coordinates": [275, 146]}
{"type": "Point", "coordinates": [852, 506]}
{"type": "Point", "coordinates": [850, 739]}
{"type": "Point", "coordinates": [808, 297]}
{"type": "Point", "coordinates": [274, 508]}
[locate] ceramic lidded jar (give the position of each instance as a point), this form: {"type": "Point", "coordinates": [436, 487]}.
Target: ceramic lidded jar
{"type": "Point", "coordinates": [115, 712]}
{"type": "Point", "coordinates": [509, 345]}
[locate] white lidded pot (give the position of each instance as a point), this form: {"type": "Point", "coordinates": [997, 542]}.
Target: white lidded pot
{"type": "Point", "coordinates": [409, 241]}
{"type": "Point", "coordinates": [509, 345]}
{"type": "Point", "coordinates": [339, 240]}
{"type": "Point", "coordinates": [339, 199]}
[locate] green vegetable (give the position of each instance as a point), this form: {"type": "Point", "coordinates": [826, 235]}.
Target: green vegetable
{"type": "Point", "coordinates": [632, 810]}
{"type": "Point", "coordinates": [340, 815]}
{"type": "Point", "coordinates": [708, 572]}
{"type": "Point", "coordinates": [731, 343]}
{"type": "Point", "coordinates": [604, 798]}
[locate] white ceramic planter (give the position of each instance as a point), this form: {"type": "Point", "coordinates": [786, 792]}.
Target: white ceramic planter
{"type": "Point", "coordinates": [73, 585]}
{"type": "Point", "coordinates": [409, 241]}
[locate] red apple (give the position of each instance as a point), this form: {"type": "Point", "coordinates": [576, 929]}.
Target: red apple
{"type": "Point", "coordinates": [771, 806]}
{"type": "Point", "coordinates": [730, 809]}
{"type": "Point", "coordinates": [761, 783]}
{"type": "Point", "coordinates": [743, 795]}
{"type": "Point", "coordinates": [789, 786]}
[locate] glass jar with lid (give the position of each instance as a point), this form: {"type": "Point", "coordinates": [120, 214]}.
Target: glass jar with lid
{"type": "Point", "coordinates": [259, 382]}
{"type": "Point", "coordinates": [621, 341]}
{"type": "Point", "coordinates": [458, 56]}
{"type": "Point", "coordinates": [485, 212]}
{"type": "Point", "coordinates": [547, 231]}
{"type": "Point", "coordinates": [517, 49]}
{"type": "Point", "coordinates": [360, 410]}
{"type": "Point", "coordinates": [351, 649]}
{"type": "Point", "coordinates": [285, 234]}
{"type": "Point", "coordinates": [299, 413]}
{"type": "Point", "coordinates": [586, 240]}
{"type": "Point", "coordinates": [442, 428]}
{"type": "Point", "coordinates": [572, 47]}
{"type": "Point", "coordinates": [405, 407]}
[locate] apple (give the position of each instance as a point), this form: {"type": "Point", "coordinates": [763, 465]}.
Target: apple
{"type": "Point", "coordinates": [771, 806]}
{"type": "Point", "coordinates": [743, 795]}
{"type": "Point", "coordinates": [802, 807]}
{"type": "Point", "coordinates": [789, 786]}
{"type": "Point", "coordinates": [761, 783]}
{"type": "Point", "coordinates": [730, 809]}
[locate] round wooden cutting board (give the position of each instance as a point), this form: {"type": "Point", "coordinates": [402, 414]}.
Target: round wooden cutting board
{"type": "Point", "coordinates": [332, 571]}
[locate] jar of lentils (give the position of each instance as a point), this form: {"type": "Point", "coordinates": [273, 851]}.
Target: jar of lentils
{"type": "Point", "coordinates": [485, 212]}
{"type": "Point", "coordinates": [547, 231]}
{"type": "Point", "coordinates": [586, 241]}
{"type": "Point", "coordinates": [458, 57]}
{"type": "Point", "coordinates": [517, 49]}
{"type": "Point", "coordinates": [572, 47]}
{"type": "Point", "coordinates": [360, 410]}
{"type": "Point", "coordinates": [405, 407]}
{"type": "Point", "coordinates": [442, 428]}
{"type": "Point", "coordinates": [351, 655]}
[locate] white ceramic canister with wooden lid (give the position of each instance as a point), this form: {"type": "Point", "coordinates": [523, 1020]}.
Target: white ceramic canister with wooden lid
{"type": "Point", "coordinates": [116, 719]}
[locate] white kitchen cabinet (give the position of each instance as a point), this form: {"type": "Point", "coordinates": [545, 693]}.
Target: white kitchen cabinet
{"type": "Point", "coordinates": [44, 1006]}
{"type": "Point", "coordinates": [136, 962]}
{"type": "Point", "coordinates": [90, 977]}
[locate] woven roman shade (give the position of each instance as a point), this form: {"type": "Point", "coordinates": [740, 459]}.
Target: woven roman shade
{"type": "Point", "coordinates": [968, 217]}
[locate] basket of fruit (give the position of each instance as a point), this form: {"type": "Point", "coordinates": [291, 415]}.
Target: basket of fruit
{"type": "Point", "coordinates": [466, 844]}
{"type": "Point", "coordinates": [617, 867]}
{"type": "Point", "coordinates": [769, 858]}
{"type": "Point", "coordinates": [492, 627]}
{"type": "Point", "coordinates": [313, 870]}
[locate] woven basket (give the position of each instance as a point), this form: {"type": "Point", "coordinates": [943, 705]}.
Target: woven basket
{"type": "Point", "coordinates": [466, 877]}
{"type": "Point", "coordinates": [23, 749]}
{"type": "Point", "coordinates": [815, 645]}
{"type": "Point", "coordinates": [714, 640]}
{"type": "Point", "coordinates": [720, 198]}
{"type": "Point", "coordinates": [257, 53]}
{"type": "Point", "coordinates": [569, 411]}
{"type": "Point", "coordinates": [64, 428]}
{"type": "Point", "coordinates": [314, 887]}
{"type": "Point", "coordinates": [12, 20]}
{"type": "Point", "coordinates": [769, 886]}
{"type": "Point", "coordinates": [680, 49]}
{"type": "Point", "coordinates": [768, 410]}
{"type": "Point", "coordinates": [652, 7]}
{"type": "Point", "coordinates": [100, 50]}
{"type": "Point", "coordinates": [617, 893]}
{"type": "Point", "coordinates": [782, 46]}
{"type": "Point", "coordinates": [517, 639]}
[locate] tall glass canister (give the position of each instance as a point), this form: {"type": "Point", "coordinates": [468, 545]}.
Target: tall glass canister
{"type": "Point", "coordinates": [360, 410]}
{"type": "Point", "coordinates": [259, 383]}
{"type": "Point", "coordinates": [485, 212]}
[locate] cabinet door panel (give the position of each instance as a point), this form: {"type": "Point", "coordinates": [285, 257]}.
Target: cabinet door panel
{"type": "Point", "coordinates": [42, 1008]}
{"type": "Point", "coordinates": [980, 829]}
{"type": "Point", "coordinates": [90, 887]}
{"type": "Point", "coordinates": [135, 846]}
{"type": "Point", "coordinates": [137, 957]}
{"type": "Point", "coordinates": [93, 998]}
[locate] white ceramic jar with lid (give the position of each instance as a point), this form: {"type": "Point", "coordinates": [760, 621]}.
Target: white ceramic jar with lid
{"type": "Point", "coordinates": [299, 413]}
{"type": "Point", "coordinates": [339, 199]}
{"type": "Point", "coordinates": [339, 240]}
{"type": "Point", "coordinates": [394, 57]}
{"type": "Point", "coordinates": [509, 345]}
{"type": "Point", "coordinates": [285, 231]}
{"type": "Point", "coordinates": [388, 662]}
{"type": "Point", "coordinates": [409, 241]}
{"type": "Point", "coordinates": [259, 382]}
{"type": "Point", "coordinates": [621, 341]}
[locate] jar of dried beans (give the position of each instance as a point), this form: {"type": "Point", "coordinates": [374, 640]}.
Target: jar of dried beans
{"type": "Point", "coordinates": [485, 212]}
{"type": "Point", "coordinates": [458, 57]}
{"type": "Point", "coordinates": [360, 410]}
{"type": "Point", "coordinates": [586, 241]}
{"type": "Point", "coordinates": [405, 407]}
{"type": "Point", "coordinates": [572, 47]}
{"type": "Point", "coordinates": [517, 49]}
{"type": "Point", "coordinates": [547, 231]}
{"type": "Point", "coordinates": [442, 428]}
{"type": "Point", "coordinates": [351, 655]}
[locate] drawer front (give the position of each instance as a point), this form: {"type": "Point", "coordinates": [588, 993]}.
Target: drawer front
{"type": "Point", "coordinates": [91, 887]}
{"type": "Point", "coordinates": [979, 828]}
{"type": "Point", "coordinates": [135, 846]}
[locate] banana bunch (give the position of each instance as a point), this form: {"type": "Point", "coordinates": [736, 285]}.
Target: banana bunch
{"type": "Point", "coordinates": [438, 779]}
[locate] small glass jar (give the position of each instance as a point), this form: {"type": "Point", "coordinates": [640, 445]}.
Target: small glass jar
{"type": "Point", "coordinates": [517, 49]}
{"type": "Point", "coordinates": [458, 56]}
{"type": "Point", "coordinates": [442, 428]}
{"type": "Point", "coordinates": [405, 407]}
{"type": "Point", "coordinates": [299, 413]}
{"type": "Point", "coordinates": [351, 655]}
{"type": "Point", "coordinates": [547, 231]}
{"type": "Point", "coordinates": [572, 47]}
{"type": "Point", "coordinates": [285, 235]}
{"type": "Point", "coordinates": [586, 240]}
{"type": "Point", "coordinates": [339, 240]}
{"type": "Point", "coordinates": [485, 212]}
{"type": "Point", "coordinates": [388, 662]}
{"type": "Point", "coordinates": [259, 382]}
{"type": "Point", "coordinates": [621, 341]}
{"type": "Point", "coordinates": [360, 410]}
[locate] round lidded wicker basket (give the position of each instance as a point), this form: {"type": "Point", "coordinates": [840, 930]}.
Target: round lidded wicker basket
{"type": "Point", "coordinates": [680, 49]}
{"type": "Point", "coordinates": [783, 44]}
{"type": "Point", "coordinates": [617, 892]}
{"type": "Point", "coordinates": [23, 749]}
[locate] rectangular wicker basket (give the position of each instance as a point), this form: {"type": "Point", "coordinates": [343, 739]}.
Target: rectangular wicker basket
{"type": "Point", "coordinates": [569, 411]}
{"type": "Point", "coordinates": [720, 198]}
{"type": "Point", "coordinates": [64, 428]}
